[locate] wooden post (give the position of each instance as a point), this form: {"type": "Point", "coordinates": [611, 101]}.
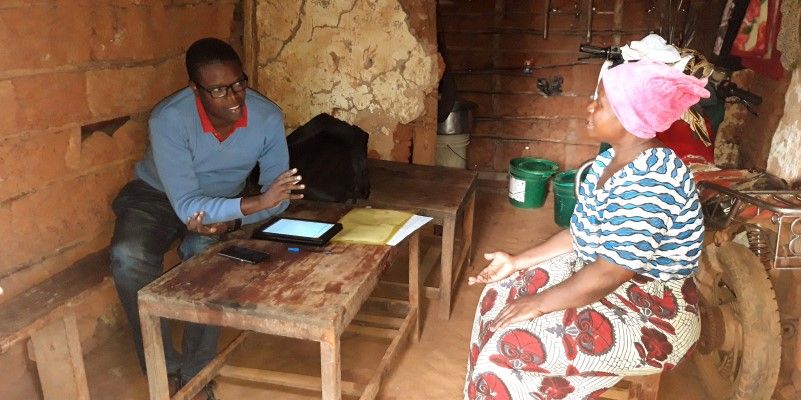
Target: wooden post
{"type": "Point", "coordinates": [330, 367]}
{"type": "Point", "coordinates": [154, 356]}
{"type": "Point", "coordinates": [414, 280]}
{"type": "Point", "coordinates": [446, 266]}
{"type": "Point", "coordinates": [59, 360]}
{"type": "Point", "coordinates": [250, 42]}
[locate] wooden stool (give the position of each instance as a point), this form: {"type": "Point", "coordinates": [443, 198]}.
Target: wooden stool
{"type": "Point", "coordinates": [642, 387]}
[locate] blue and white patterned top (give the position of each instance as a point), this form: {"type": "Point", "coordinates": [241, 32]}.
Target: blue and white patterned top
{"type": "Point", "coordinates": [646, 217]}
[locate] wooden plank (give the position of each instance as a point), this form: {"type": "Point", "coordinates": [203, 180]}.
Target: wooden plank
{"type": "Point", "coordinates": [380, 320]}
{"type": "Point", "coordinates": [398, 308]}
{"type": "Point", "coordinates": [446, 267]}
{"type": "Point", "coordinates": [60, 360]}
{"type": "Point", "coordinates": [388, 360]}
{"type": "Point", "coordinates": [382, 333]}
{"type": "Point", "coordinates": [250, 41]}
{"type": "Point", "coordinates": [416, 183]}
{"type": "Point", "coordinates": [210, 371]}
{"type": "Point", "coordinates": [304, 382]}
{"type": "Point", "coordinates": [38, 306]}
{"type": "Point", "coordinates": [467, 226]}
{"type": "Point", "coordinates": [154, 355]}
{"type": "Point", "coordinates": [415, 282]}
{"type": "Point", "coordinates": [331, 368]}
{"type": "Point", "coordinates": [401, 290]}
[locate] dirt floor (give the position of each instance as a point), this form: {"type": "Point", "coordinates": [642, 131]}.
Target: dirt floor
{"type": "Point", "coordinates": [431, 369]}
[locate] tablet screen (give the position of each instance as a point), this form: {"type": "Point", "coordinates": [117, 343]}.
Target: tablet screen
{"type": "Point", "coordinates": [294, 227]}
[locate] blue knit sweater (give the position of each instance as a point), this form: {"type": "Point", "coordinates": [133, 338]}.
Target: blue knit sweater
{"type": "Point", "coordinates": [198, 173]}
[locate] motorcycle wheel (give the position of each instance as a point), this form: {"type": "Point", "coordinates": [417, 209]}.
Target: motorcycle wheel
{"type": "Point", "coordinates": [740, 346]}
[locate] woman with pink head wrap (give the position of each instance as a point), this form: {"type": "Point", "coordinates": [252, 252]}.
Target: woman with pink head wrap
{"type": "Point", "coordinates": [612, 295]}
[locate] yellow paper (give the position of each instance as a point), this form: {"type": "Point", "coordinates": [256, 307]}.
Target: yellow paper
{"type": "Point", "coordinates": [370, 225]}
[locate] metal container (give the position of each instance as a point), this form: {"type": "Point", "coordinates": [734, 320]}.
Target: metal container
{"type": "Point", "coordinates": [461, 120]}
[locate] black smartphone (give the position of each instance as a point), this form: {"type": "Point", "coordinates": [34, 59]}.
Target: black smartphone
{"type": "Point", "coordinates": [244, 254]}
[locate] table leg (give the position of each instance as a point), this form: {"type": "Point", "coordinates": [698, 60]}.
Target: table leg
{"type": "Point", "coordinates": [446, 266]}
{"type": "Point", "coordinates": [330, 367]}
{"type": "Point", "coordinates": [154, 356]}
{"type": "Point", "coordinates": [414, 280]}
{"type": "Point", "coordinates": [467, 228]}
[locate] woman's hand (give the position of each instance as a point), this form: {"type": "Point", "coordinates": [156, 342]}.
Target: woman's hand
{"type": "Point", "coordinates": [501, 265]}
{"type": "Point", "coordinates": [281, 189]}
{"type": "Point", "coordinates": [195, 224]}
{"type": "Point", "coordinates": [522, 309]}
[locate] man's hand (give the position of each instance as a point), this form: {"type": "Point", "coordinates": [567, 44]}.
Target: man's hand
{"type": "Point", "coordinates": [282, 188]}
{"type": "Point", "coordinates": [501, 266]}
{"type": "Point", "coordinates": [522, 309]}
{"type": "Point", "coordinates": [195, 224]}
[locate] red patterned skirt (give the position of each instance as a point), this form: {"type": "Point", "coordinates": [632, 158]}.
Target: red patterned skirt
{"type": "Point", "coordinates": [644, 327]}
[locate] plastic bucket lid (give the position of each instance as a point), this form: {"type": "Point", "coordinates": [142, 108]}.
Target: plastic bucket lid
{"type": "Point", "coordinates": [529, 167]}
{"type": "Point", "coordinates": [565, 178]}
{"type": "Point", "coordinates": [564, 183]}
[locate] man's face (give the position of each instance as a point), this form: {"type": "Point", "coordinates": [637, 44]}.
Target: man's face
{"type": "Point", "coordinates": [225, 110]}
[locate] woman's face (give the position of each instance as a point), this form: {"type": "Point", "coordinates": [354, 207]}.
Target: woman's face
{"type": "Point", "coordinates": [602, 123]}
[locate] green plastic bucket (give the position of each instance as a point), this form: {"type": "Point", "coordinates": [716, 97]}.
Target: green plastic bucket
{"type": "Point", "coordinates": [528, 181]}
{"type": "Point", "coordinates": [564, 194]}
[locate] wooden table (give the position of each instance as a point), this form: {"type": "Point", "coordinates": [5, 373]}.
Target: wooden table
{"type": "Point", "coordinates": [310, 295]}
{"type": "Point", "coordinates": [445, 194]}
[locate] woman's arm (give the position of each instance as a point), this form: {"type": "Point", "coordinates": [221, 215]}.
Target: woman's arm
{"type": "Point", "coordinates": [586, 286]}
{"type": "Point", "coordinates": [503, 264]}
{"type": "Point", "coordinates": [559, 243]}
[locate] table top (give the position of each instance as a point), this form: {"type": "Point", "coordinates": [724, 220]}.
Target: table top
{"type": "Point", "coordinates": [302, 295]}
{"type": "Point", "coordinates": [430, 190]}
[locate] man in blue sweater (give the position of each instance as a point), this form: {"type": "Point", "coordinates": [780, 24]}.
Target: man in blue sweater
{"type": "Point", "coordinates": [204, 141]}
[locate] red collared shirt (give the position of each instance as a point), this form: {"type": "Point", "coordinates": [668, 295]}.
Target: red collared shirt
{"type": "Point", "coordinates": [209, 128]}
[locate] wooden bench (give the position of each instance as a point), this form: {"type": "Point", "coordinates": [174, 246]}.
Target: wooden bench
{"type": "Point", "coordinates": [645, 387]}
{"type": "Point", "coordinates": [45, 314]}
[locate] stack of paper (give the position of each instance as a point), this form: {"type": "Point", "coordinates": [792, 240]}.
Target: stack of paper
{"type": "Point", "coordinates": [378, 226]}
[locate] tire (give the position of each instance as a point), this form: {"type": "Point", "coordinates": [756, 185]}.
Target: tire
{"type": "Point", "coordinates": [746, 366]}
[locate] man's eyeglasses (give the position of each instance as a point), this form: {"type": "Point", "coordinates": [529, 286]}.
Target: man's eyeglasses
{"type": "Point", "coordinates": [222, 91]}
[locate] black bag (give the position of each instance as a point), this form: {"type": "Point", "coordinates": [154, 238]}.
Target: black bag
{"type": "Point", "coordinates": [331, 156]}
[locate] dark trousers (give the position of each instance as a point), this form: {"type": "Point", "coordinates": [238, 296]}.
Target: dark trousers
{"type": "Point", "coordinates": [146, 227]}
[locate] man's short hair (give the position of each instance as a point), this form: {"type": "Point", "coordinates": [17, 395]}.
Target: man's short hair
{"type": "Point", "coordinates": [208, 51]}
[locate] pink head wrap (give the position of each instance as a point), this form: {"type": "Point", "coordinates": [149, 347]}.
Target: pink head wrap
{"type": "Point", "coordinates": [647, 97]}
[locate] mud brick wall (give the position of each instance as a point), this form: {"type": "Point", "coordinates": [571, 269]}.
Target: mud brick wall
{"type": "Point", "coordinates": [77, 80]}
{"type": "Point", "coordinates": [488, 43]}
{"type": "Point", "coordinates": [371, 63]}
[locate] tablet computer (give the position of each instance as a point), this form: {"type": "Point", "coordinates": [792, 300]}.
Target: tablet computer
{"type": "Point", "coordinates": [297, 230]}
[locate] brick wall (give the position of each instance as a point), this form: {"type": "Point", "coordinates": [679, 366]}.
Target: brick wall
{"type": "Point", "coordinates": [488, 43]}
{"type": "Point", "coordinates": [77, 80]}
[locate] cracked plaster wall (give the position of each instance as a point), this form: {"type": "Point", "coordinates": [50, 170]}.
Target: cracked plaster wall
{"type": "Point", "coordinates": [362, 61]}
{"type": "Point", "coordinates": [785, 159]}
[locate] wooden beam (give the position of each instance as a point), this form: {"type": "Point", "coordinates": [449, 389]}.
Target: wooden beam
{"type": "Point", "coordinates": [372, 331]}
{"type": "Point", "coordinates": [331, 367]}
{"type": "Point", "coordinates": [304, 382]}
{"type": "Point", "coordinates": [400, 289]}
{"type": "Point", "coordinates": [60, 360]}
{"type": "Point", "coordinates": [389, 357]}
{"type": "Point", "coordinates": [379, 320]}
{"type": "Point", "coordinates": [380, 305]}
{"type": "Point", "coordinates": [250, 41]}
{"type": "Point", "coordinates": [210, 371]}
